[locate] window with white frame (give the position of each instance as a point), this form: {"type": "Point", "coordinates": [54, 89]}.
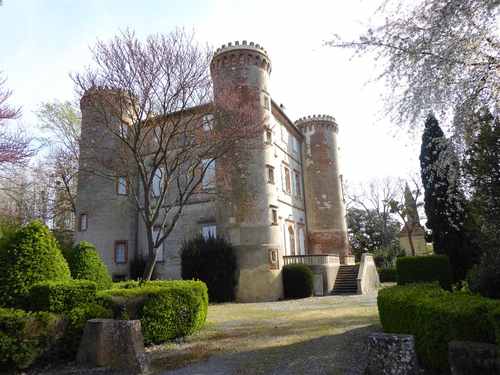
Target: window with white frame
{"type": "Point", "coordinates": [209, 231]}
{"type": "Point", "coordinates": [287, 183]}
{"type": "Point", "coordinates": [266, 101]}
{"type": "Point", "coordinates": [295, 145]}
{"type": "Point", "coordinates": [270, 174]}
{"type": "Point", "coordinates": [208, 122]}
{"type": "Point", "coordinates": [121, 185]}
{"type": "Point", "coordinates": [208, 181]}
{"type": "Point", "coordinates": [274, 216]}
{"type": "Point", "coordinates": [157, 232]}
{"type": "Point", "coordinates": [157, 182]}
{"type": "Point", "coordinates": [269, 136]}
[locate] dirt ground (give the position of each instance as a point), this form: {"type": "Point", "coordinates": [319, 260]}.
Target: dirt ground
{"type": "Point", "coordinates": [319, 335]}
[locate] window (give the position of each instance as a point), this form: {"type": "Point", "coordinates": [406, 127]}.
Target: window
{"type": "Point", "coordinates": [302, 241]}
{"type": "Point", "coordinates": [121, 185]}
{"type": "Point", "coordinates": [159, 249]}
{"type": "Point", "coordinates": [266, 102]}
{"type": "Point", "coordinates": [121, 252]}
{"type": "Point", "coordinates": [208, 122]}
{"type": "Point", "coordinates": [287, 184]}
{"type": "Point", "coordinates": [274, 216]}
{"type": "Point", "coordinates": [298, 187]}
{"type": "Point", "coordinates": [208, 181]}
{"type": "Point", "coordinates": [270, 174]}
{"type": "Point", "coordinates": [284, 133]}
{"type": "Point", "coordinates": [295, 145]}
{"type": "Point", "coordinates": [157, 182]}
{"type": "Point", "coordinates": [269, 136]}
{"type": "Point", "coordinates": [83, 222]}
{"type": "Point", "coordinates": [209, 231]}
{"type": "Point", "coordinates": [291, 234]}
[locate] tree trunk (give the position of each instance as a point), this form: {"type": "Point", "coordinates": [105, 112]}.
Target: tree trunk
{"type": "Point", "coordinates": [150, 265]}
{"type": "Point", "coordinates": [410, 241]}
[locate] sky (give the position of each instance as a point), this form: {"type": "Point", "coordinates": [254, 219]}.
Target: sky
{"type": "Point", "coordinates": [43, 41]}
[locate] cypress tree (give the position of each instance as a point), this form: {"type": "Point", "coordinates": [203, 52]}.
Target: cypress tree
{"type": "Point", "coordinates": [443, 199]}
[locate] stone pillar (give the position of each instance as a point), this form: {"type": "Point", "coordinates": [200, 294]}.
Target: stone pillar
{"type": "Point", "coordinates": [325, 204]}
{"type": "Point", "coordinates": [116, 344]}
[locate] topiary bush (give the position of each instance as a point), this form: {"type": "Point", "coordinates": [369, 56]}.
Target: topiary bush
{"type": "Point", "coordinates": [61, 296]}
{"type": "Point", "coordinates": [25, 337]}
{"type": "Point", "coordinates": [297, 281]}
{"type": "Point", "coordinates": [212, 261]}
{"type": "Point", "coordinates": [30, 255]}
{"type": "Point", "coordinates": [85, 263]}
{"type": "Point", "coordinates": [435, 317]}
{"type": "Point", "coordinates": [166, 309]}
{"type": "Point", "coordinates": [424, 269]}
{"type": "Point", "coordinates": [484, 278]}
{"type": "Point", "coordinates": [76, 320]}
{"type": "Point", "coordinates": [387, 275]}
{"type": "Point", "coordinates": [495, 321]}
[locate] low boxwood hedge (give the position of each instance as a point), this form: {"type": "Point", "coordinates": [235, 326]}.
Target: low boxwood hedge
{"type": "Point", "coordinates": [435, 317]}
{"type": "Point", "coordinates": [387, 275]}
{"type": "Point", "coordinates": [424, 269]}
{"type": "Point", "coordinates": [61, 296]}
{"type": "Point", "coordinates": [297, 281]}
{"type": "Point", "coordinates": [166, 309]}
{"type": "Point", "coordinates": [24, 337]}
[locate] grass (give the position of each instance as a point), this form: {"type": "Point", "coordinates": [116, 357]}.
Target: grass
{"type": "Point", "coordinates": [274, 330]}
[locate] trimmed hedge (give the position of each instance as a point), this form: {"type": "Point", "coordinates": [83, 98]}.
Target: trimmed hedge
{"type": "Point", "coordinates": [495, 320]}
{"type": "Point", "coordinates": [166, 309]}
{"type": "Point", "coordinates": [76, 319]}
{"type": "Point", "coordinates": [61, 296]}
{"type": "Point", "coordinates": [30, 255]}
{"type": "Point", "coordinates": [435, 317]}
{"type": "Point", "coordinates": [387, 275]}
{"type": "Point", "coordinates": [297, 281]}
{"type": "Point", "coordinates": [24, 337]}
{"type": "Point", "coordinates": [212, 261]}
{"type": "Point", "coordinates": [85, 263]}
{"type": "Point", "coordinates": [424, 269]}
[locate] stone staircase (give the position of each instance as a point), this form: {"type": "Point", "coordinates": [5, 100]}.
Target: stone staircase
{"type": "Point", "coordinates": [346, 281]}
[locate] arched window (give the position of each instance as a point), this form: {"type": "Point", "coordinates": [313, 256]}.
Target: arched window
{"type": "Point", "coordinates": [291, 235]}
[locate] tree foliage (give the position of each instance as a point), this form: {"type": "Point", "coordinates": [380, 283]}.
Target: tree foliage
{"type": "Point", "coordinates": [444, 201]}
{"type": "Point", "coordinates": [440, 55]}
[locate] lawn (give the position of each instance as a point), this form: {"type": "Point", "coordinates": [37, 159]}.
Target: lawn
{"type": "Point", "coordinates": [312, 335]}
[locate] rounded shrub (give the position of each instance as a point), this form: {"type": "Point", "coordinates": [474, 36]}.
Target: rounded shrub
{"type": "Point", "coordinates": [85, 263]}
{"type": "Point", "coordinates": [424, 269]}
{"type": "Point", "coordinates": [166, 309]}
{"type": "Point", "coordinates": [212, 261]}
{"type": "Point", "coordinates": [297, 281]}
{"type": "Point", "coordinates": [31, 255]}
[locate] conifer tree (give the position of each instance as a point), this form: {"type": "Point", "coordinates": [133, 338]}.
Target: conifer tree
{"type": "Point", "coordinates": [443, 199]}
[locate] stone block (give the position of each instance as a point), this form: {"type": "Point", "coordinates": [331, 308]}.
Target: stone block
{"type": "Point", "coordinates": [116, 344]}
{"type": "Point", "coordinates": [467, 357]}
{"type": "Point", "coordinates": [391, 354]}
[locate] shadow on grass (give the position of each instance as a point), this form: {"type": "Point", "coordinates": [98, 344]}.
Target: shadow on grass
{"type": "Point", "coordinates": [288, 351]}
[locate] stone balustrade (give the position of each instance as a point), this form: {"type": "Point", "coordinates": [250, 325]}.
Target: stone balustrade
{"type": "Point", "coordinates": [312, 260]}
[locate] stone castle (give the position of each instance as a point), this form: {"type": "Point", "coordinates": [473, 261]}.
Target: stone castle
{"type": "Point", "coordinates": [298, 212]}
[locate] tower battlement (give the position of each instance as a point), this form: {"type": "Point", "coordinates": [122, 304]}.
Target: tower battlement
{"type": "Point", "coordinates": [240, 53]}
{"type": "Point", "coordinates": [323, 120]}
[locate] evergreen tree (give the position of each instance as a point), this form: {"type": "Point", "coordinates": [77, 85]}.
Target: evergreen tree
{"type": "Point", "coordinates": [443, 199]}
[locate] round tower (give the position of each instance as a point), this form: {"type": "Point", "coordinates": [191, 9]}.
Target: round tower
{"type": "Point", "coordinates": [105, 213]}
{"type": "Point", "coordinates": [240, 73]}
{"type": "Point", "coordinates": [325, 204]}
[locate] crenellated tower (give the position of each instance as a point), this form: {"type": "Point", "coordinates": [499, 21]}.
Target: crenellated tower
{"type": "Point", "coordinates": [240, 73]}
{"type": "Point", "coordinates": [106, 215]}
{"type": "Point", "coordinates": [325, 204]}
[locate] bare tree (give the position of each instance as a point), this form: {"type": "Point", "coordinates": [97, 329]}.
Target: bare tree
{"type": "Point", "coordinates": [62, 122]}
{"type": "Point", "coordinates": [153, 97]}
{"type": "Point", "coordinates": [437, 55]}
{"type": "Point", "coordinates": [14, 146]}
